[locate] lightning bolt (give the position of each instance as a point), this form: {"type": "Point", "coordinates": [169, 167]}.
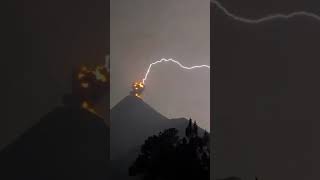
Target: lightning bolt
{"type": "Point", "coordinates": [241, 19]}
{"type": "Point", "coordinates": [266, 18]}
{"type": "Point", "coordinates": [174, 61]}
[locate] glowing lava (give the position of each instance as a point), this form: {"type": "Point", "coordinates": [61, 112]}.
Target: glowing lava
{"type": "Point", "coordinates": [85, 105]}
{"type": "Point", "coordinates": [90, 84]}
{"type": "Point", "coordinates": [137, 89]}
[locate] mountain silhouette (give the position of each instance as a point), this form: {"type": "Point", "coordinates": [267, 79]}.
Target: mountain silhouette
{"type": "Point", "coordinates": [73, 143]}
{"type": "Point", "coordinates": [67, 143]}
{"type": "Point", "coordinates": [132, 122]}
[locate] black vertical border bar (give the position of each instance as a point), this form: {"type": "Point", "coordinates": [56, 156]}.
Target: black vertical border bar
{"type": "Point", "coordinates": [212, 95]}
{"type": "Point", "coordinates": [108, 65]}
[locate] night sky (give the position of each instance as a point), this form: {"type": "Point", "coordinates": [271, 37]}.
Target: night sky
{"type": "Point", "coordinates": [144, 31]}
{"type": "Point", "coordinates": [265, 91]}
{"type": "Point", "coordinates": [44, 41]}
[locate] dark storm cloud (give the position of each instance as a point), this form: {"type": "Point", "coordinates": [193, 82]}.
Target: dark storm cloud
{"type": "Point", "coordinates": [266, 91]}
{"type": "Point", "coordinates": [45, 41]}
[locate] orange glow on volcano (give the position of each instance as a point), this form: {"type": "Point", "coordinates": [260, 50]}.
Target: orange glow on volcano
{"type": "Point", "coordinates": [137, 89]}
{"type": "Point", "coordinates": [90, 84]}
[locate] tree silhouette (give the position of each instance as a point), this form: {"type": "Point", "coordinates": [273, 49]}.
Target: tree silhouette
{"type": "Point", "coordinates": [195, 129]}
{"type": "Point", "coordinates": [167, 156]}
{"type": "Point", "coordinates": [189, 129]}
{"type": "Point", "coordinates": [231, 178]}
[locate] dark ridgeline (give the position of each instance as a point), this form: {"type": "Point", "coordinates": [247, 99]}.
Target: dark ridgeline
{"type": "Point", "coordinates": [68, 143]}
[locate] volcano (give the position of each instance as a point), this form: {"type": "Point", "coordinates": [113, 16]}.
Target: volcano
{"type": "Point", "coordinates": [133, 121]}
{"type": "Point", "coordinates": [73, 143]}
{"type": "Point", "coordinates": [67, 143]}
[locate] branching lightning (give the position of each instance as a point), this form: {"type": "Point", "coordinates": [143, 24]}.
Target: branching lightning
{"type": "Point", "coordinates": [266, 18]}
{"type": "Point", "coordinates": [174, 61]}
